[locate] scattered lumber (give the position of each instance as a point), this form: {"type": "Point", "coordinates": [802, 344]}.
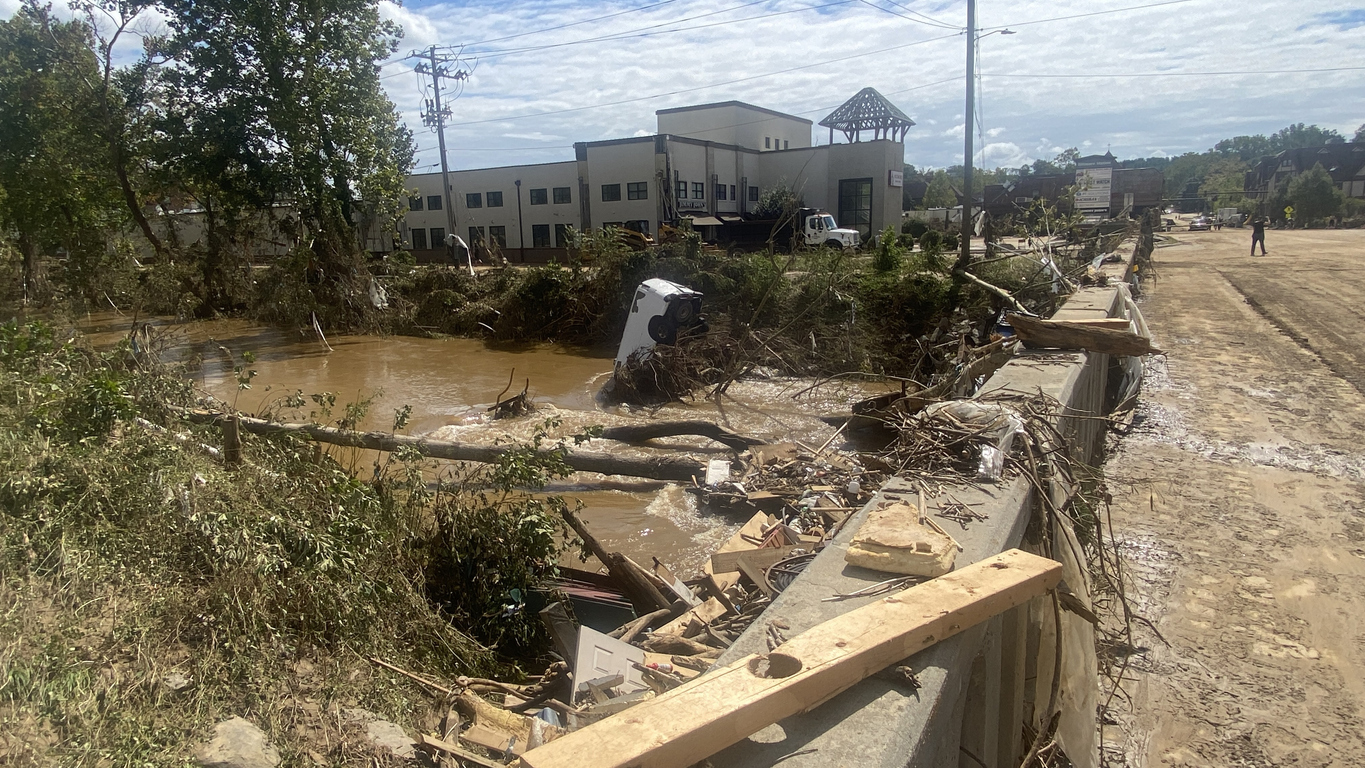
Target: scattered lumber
{"type": "Point", "coordinates": [1065, 334]}
{"type": "Point", "coordinates": [639, 433]}
{"type": "Point", "coordinates": [431, 743]}
{"type": "Point", "coordinates": [638, 587]}
{"type": "Point", "coordinates": [677, 469]}
{"type": "Point", "coordinates": [707, 714]}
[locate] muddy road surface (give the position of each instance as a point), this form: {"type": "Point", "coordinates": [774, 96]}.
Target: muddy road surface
{"type": "Point", "coordinates": [1239, 501]}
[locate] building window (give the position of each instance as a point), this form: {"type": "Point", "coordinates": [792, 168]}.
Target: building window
{"type": "Point", "coordinates": [753, 194]}
{"type": "Point", "coordinates": [733, 196]}
{"type": "Point", "coordinates": [720, 191]}
{"type": "Point", "coordinates": [767, 142]}
{"type": "Point", "coordinates": [475, 237]}
{"type": "Point", "coordinates": [494, 199]}
{"type": "Point", "coordinates": [637, 190]}
{"type": "Point", "coordinates": [562, 236]}
{"type": "Point", "coordinates": [855, 205]}
{"type": "Point", "coordinates": [438, 237]}
{"type": "Point", "coordinates": [419, 239]}
{"type": "Point", "coordinates": [638, 225]}
{"type": "Point", "coordinates": [698, 190]}
{"type": "Point", "coordinates": [540, 196]}
{"type": "Point", "coordinates": [681, 190]}
{"type": "Point", "coordinates": [611, 193]}
{"type": "Point", "coordinates": [473, 200]}
{"type": "Point", "coordinates": [563, 195]}
{"type": "Point", "coordinates": [540, 235]}
{"type": "Point", "coordinates": [498, 235]}
{"type": "Point", "coordinates": [433, 202]}
{"type": "Point", "coordinates": [415, 203]}
{"type": "Point", "coordinates": [786, 144]}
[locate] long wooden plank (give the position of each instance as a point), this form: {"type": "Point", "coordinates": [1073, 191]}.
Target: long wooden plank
{"type": "Point", "coordinates": [724, 562]}
{"type": "Point", "coordinates": [715, 710]}
{"type": "Point", "coordinates": [1063, 335]}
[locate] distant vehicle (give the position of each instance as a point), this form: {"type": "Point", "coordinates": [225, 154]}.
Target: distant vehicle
{"type": "Point", "coordinates": [1229, 217]}
{"type": "Point", "coordinates": [1201, 224]}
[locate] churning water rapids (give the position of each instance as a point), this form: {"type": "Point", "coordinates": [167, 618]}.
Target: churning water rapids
{"type": "Point", "coordinates": [450, 383]}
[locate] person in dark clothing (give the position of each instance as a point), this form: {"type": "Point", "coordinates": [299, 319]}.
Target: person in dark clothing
{"type": "Point", "coordinates": [1258, 234]}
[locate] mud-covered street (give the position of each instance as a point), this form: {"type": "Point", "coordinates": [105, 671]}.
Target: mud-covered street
{"type": "Point", "coordinates": [1239, 499]}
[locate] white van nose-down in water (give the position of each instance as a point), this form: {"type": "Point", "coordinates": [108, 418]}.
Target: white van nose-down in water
{"type": "Point", "coordinates": [661, 309]}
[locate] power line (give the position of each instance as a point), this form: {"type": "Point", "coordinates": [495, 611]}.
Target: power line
{"type": "Point", "coordinates": [1084, 15]}
{"type": "Point", "coordinates": [945, 24]}
{"type": "Point", "coordinates": [703, 87]}
{"type": "Point", "coordinates": [930, 23]}
{"type": "Point", "coordinates": [632, 34]}
{"type": "Point", "coordinates": [718, 128]}
{"type": "Point", "coordinates": [574, 23]}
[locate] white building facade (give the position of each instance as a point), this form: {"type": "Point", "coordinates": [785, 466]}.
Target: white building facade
{"type": "Point", "coordinates": [711, 162]}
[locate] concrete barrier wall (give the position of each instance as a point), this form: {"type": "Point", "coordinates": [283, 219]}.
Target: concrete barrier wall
{"type": "Point", "coordinates": [973, 693]}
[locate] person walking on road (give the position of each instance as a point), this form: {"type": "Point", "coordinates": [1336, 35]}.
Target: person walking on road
{"type": "Point", "coordinates": [1258, 234]}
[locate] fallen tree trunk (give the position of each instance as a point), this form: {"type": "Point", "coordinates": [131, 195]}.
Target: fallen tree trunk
{"type": "Point", "coordinates": [1061, 334]}
{"type": "Point", "coordinates": [639, 433]}
{"type": "Point", "coordinates": [661, 468]}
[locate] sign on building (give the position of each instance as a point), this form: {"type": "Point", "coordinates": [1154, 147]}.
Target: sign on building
{"type": "Point", "coordinates": [1093, 186]}
{"type": "Point", "coordinates": [895, 178]}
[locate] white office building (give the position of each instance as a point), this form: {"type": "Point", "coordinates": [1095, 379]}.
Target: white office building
{"type": "Point", "coordinates": [710, 162]}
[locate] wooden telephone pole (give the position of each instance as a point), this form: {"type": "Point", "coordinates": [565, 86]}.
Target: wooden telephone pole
{"type": "Point", "coordinates": [441, 66]}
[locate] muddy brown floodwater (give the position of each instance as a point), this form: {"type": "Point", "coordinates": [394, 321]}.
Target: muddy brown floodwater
{"type": "Point", "coordinates": [451, 382]}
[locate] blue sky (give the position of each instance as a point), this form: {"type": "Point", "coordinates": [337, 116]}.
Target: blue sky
{"type": "Point", "coordinates": [1166, 79]}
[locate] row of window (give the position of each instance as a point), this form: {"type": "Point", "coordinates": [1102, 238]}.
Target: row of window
{"type": "Point", "coordinates": [635, 190]}
{"type": "Point", "coordinates": [770, 142]}
{"type": "Point", "coordinates": [723, 191]}
{"type": "Point", "coordinates": [540, 235]}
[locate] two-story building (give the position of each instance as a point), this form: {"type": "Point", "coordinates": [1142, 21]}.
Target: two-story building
{"type": "Point", "coordinates": [1344, 162]}
{"type": "Point", "coordinates": [710, 162]}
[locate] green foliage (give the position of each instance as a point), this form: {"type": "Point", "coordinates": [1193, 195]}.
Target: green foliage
{"type": "Point", "coordinates": [1314, 196]}
{"type": "Point", "coordinates": [1223, 185]}
{"type": "Point", "coordinates": [777, 201]}
{"type": "Point", "coordinates": [940, 193]}
{"type": "Point", "coordinates": [497, 541]}
{"type": "Point", "coordinates": [1360, 134]}
{"type": "Point", "coordinates": [54, 164]}
{"type": "Point", "coordinates": [126, 553]}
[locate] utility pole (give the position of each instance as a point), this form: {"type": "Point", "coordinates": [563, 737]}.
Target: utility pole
{"type": "Point", "coordinates": [965, 257]}
{"type": "Point", "coordinates": [434, 116]}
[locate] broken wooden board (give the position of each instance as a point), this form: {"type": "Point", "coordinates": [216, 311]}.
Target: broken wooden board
{"type": "Point", "coordinates": [433, 743]}
{"type": "Point", "coordinates": [707, 714]}
{"type": "Point", "coordinates": [489, 738]}
{"type": "Point", "coordinates": [706, 613]}
{"type": "Point", "coordinates": [753, 529]}
{"type": "Point", "coordinates": [724, 562]}
{"type": "Point", "coordinates": [1061, 334]}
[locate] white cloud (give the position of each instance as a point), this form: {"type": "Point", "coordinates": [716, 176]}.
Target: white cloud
{"type": "Point", "coordinates": [993, 132]}
{"type": "Point", "coordinates": [955, 132]}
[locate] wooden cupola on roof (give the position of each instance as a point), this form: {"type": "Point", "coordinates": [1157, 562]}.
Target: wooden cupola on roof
{"type": "Point", "coordinates": [868, 111]}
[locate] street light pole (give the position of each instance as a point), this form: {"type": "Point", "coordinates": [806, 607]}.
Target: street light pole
{"type": "Point", "coordinates": [965, 256]}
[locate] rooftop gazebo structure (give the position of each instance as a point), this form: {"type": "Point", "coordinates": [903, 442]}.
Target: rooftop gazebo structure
{"type": "Point", "coordinates": [868, 111]}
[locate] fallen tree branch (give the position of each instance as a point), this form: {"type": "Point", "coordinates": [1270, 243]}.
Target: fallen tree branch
{"type": "Point", "coordinates": [660, 468]}
{"type": "Point", "coordinates": [1001, 292]}
{"type": "Point", "coordinates": [639, 433]}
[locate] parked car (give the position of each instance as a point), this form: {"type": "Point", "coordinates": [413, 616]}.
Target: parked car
{"type": "Point", "coordinates": [1201, 224]}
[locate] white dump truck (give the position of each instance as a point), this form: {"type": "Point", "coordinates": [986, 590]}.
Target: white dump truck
{"type": "Point", "coordinates": [814, 228]}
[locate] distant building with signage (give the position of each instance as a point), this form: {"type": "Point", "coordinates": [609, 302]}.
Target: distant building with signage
{"type": "Point", "coordinates": [1103, 190]}
{"type": "Point", "coordinates": [710, 162]}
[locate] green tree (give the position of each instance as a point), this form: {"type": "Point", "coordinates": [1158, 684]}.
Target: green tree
{"type": "Point", "coordinates": [940, 193]}
{"type": "Point", "coordinates": [1224, 183]}
{"type": "Point", "coordinates": [53, 160]}
{"type": "Point", "coordinates": [1314, 196]}
{"type": "Point", "coordinates": [1298, 135]}
{"type": "Point", "coordinates": [273, 103]}
{"type": "Point", "coordinates": [1246, 148]}
{"type": "Point", "coordinates": [1360, 133]}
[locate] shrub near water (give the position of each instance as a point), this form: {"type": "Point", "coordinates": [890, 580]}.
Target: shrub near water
{"type": "Point", "coordinates": [127, 555]}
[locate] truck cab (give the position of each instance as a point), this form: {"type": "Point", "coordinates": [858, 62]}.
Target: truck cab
{"type": "Point", "coordinates": [819, 228]}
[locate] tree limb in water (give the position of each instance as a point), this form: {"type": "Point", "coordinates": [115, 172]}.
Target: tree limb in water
{"type": "Point", "coordinates": [677, 469]}
{"type": "Point", "coordinates": [638, 433]}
